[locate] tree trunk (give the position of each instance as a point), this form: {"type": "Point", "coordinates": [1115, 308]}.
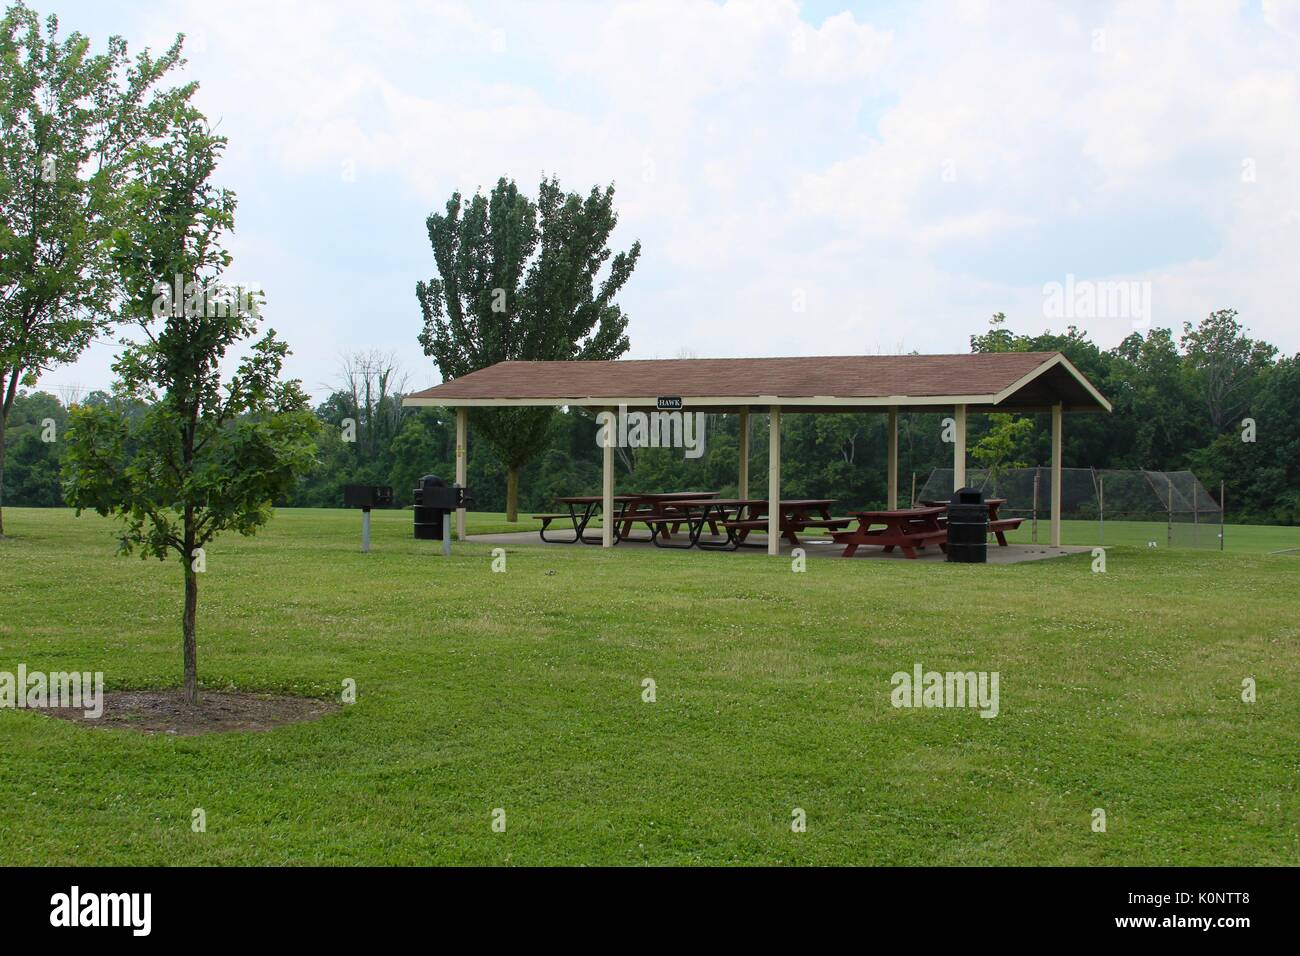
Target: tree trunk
{"type": "Point", "coordinates": [187, 626]}
{"type": "Point", "coordinates": [2, 477]}
{"type": "Point", "coordinates": [512, 493]}
{"type": "Point", "coordinates": [191, 608]}
{"type": "Point", "coordinates": [7, 392]}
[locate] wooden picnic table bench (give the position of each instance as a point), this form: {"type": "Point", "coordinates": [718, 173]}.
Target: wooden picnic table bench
{"type": "Point", "coordinates": [695, 513]}
{"type": "Point", "coordinates": [589, 504]}
{"type": "Point", "coordinates": [1001, 526]}
{"type": "Point", "coordinates": [997, 526]}
{"type": "Point", "coordinates": [796, 515]}
{"type": "Point", "coordinates": [664, 513]}
{"type": "Point", "coordinates": [738, 517]}
{"type": "Point", "coordinates": [636, 508]}
{"type": "Point", "coordinates": [648, 507]}
{"type": "Point", "coordinates": [908, 529]}
{"type": "Point", "coordinates": [546, 523]}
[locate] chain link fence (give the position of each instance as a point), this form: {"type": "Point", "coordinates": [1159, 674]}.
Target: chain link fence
{"type": "Point", "coordinates": [1171, 508]}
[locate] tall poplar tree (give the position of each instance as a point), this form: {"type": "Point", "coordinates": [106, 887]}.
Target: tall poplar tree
{"type": "Point", "coordinates": [519, 280]}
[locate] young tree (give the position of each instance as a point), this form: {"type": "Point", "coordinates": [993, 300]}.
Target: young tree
{"type": "Point", "coordinates": [205, 456]}
{"type": "Point", "coordinates": [518, 281]}
{"type": "Point", "coordinates": [70, 127]}
{"type": "Point", "coordinates": [1006, 444]}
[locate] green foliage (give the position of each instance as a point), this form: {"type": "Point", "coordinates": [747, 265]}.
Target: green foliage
{"type": "Point", "coordinates": [1263, 475]}
{"type": "Point", "coordinates": [204, 456]}
{"type": "Point", "coordinates": [73, 126]}
{"type": "Point", "coordinates": [1224, 364]}
{"type": "Point", "coordinates": [34, 452]}
{"type": "Point", "coordinates": [1005, 444]}
{"type": "Point", "coordinates": [519, 280]}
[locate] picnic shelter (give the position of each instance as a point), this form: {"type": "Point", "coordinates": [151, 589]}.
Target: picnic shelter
{"type": "Point", "coordinates": [1025, 382]}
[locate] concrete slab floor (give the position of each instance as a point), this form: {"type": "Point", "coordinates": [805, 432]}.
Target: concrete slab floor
{"type": "Point", "coordinates": [813, 547]}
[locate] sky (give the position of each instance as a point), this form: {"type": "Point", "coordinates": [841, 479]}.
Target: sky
{"type": "Point", "coordinates": [804, 178]}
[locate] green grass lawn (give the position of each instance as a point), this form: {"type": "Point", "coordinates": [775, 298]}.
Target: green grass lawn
{"type": "Point", "coordinates": [523, 691]}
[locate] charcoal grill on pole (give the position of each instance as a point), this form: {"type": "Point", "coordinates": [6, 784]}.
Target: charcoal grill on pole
{"type": "Point", "coordinates": [366, 497]}
{"type": "Point", "coordinates": [435, 500]}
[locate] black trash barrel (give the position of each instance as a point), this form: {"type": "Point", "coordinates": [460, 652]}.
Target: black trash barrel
{"type": "Point", "coordinates": [428, 514]}
{"type": "Point", "coordinates": [968, 527]}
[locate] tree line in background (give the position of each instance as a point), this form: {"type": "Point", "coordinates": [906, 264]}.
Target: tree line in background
{"type": "Point", "coordinates": [1180, 403]}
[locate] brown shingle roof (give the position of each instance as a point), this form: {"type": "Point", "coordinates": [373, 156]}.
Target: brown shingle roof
{"type": "Point", "coordinates": [760, 380]}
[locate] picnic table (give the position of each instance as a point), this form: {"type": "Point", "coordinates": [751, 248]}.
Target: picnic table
{"type": "Point", "coordinates": [741, 516]}
{"type": "Point", "coordinates": [695, 513]}
{"type": "Point", "coordinates": [997, 526]}
{"type": "Point", "coordinates": [797, 514]}
{"type": "Point", "coordinates": [642, 505]}
{"type": "Point", "coordinates": [909, 529]}
{"type": "Point", "coordinates": [664, 513]}
{"type": "Point", "coordinates": [630, 508]}
{"type": "Point", "coordinates": [581, 509]}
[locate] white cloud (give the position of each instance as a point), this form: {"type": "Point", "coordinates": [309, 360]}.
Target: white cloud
{"type": "Point", "coordinates": [841, 50]}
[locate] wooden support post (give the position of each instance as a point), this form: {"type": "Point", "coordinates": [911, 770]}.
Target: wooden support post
{"type": "Point", "coordinates": [742, 484]}
{"type": "Point", "coordinates": [774, 480]}
{"type": "Point", "coordinates": [462, 464]}
{"type": "Point", "coordinates": [607, 491]}
{"type": "Point", "coordinates": [891, 500]}
{"type": "Point", "coordinates": [959, 448]}
{"type": "Point", "coordinates": [1055, 539]}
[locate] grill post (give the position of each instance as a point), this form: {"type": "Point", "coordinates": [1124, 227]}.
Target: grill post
{"type": "Point", "coordinates": [366, 497]}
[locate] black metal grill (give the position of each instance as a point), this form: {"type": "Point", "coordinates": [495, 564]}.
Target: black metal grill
{"type": "Point", "coordinates": [434, 499]}
{"type": "Point", "coordinates": [367, 496]}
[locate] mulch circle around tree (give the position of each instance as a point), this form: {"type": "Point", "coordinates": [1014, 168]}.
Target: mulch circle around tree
{"type": "Point", "coordinates": [165, 712]}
